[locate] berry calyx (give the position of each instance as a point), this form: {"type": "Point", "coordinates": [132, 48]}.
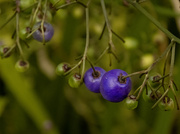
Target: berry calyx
{"type": "Point", "coordinates": [114, 87]}
{"type": "Point", "coordinates": [149, 96]}
{"type": "Point", "coordinates": [92, 79]}
{"type": "Point", "coordinates": [75, 80]}
{"type": "Point", "coordinates": [22, 65]}
{"type": "Point", "coordinates": [154, 80]}
{"type": "Point", "coordinates": [48, 32]}
{"type": "Point", "coordinates": [131, 102]}
{"type": "Point", "coordinates": [166, 104]}
{"type": "Point", "coordinates": [62, 68]}
{"type": "Point", "coordinates": [3, 51]}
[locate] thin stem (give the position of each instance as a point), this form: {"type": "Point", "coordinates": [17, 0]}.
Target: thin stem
{"type": "Point", "coordinates": [135, 73]}
{"type": "Point", "coordinates": [115, 56]}
{"type": "Point", "coordinates": [151, 67]}
{"type": "Point", "coordinates": [107, 24]}
{"type": "Point", "coordinates": [55, 3]}
{"type": "Point", "coordinates": [106, 49]}
{"type": "Point", "coordinates": [36, 12]}
{"type": "Point", "coordinates": [164, 70]}
{"type": "Point", "coordinates": [8, 20]}
{"type": "Point", "coordinates": [9, 51]}
{"type": "Point", "coordinates": [172, 61]}
{"type": "Point", "coordinates": [101, 35]}
{"type": "Point", "coordinates": [104, 27]}
{"type": "Point", "coordinates": [65, 5]}
{"type": "Point", "coordinates": [160, 98]}
{"type": "Point", "coordinates": [94, 70]}
{"type": "Point", "coordinates": [118, 36]}
{"type": "Point", "coordinates": [17, 35]}
{"type": "Point", "coordinates": [87, 41]}
{"type": "Point", "coordinates": [42, 23]}
{"type": "Point", "coordinates": [153, 20]}
{"type": "Point", "coordinates": [136, 90]}
{"type": "Point", "coordinates": [32, 32]}
{"type": "Point", "coordinates": [163, 54]}
{"type": "Point", "coordinates": [172, 88]}
{"type": "Point", "coordinates": [162, 78]}
{"type": "Point", "coordinates": [142, 86]}
{"type": "Point", "coordinates": [79, 63]}
{"type": "Point", "coordinates": [152, 90]}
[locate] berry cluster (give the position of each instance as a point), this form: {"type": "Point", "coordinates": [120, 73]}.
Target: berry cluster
{"type": "Point", "coordinates": [111, 84]}
{"type": "Point", "coordinates": [114, 85]}
{"type": "Point", "coordinates": [37, 27]}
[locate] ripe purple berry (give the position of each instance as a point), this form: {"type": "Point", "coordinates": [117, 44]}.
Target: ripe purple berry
{"type": "Point", "coordinates": [113, 87]}
{"type": "Point", "coordinates": [92, 79]}
{"type": "Point", "coordinates": [48, 32]}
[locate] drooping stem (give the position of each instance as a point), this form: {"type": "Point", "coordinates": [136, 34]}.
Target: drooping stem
{"type": "Point", "coordinates": [42, 22]}
{"type": "Point", "coordinates": [172, 61]}
{"type": "Point", "coordinates": [105, 50]}
{"type": "Point", "coordinates": [160, 98]}
{"type": "Point", "coordinates": [36, 12]}
{"type": "Point", "coordinates": [87, 41]}
{"type": "Point", "coordinates": [17, 30]}
{"type": "Point", "coordinates": [65, 5]}
{"type": "Point", "coordinates": [171, 73]}
{"type": "Point", "coordinates": [107, 23]}
{"type": "Point", "coordinates": [142, 86]}
{"type": "Point", "coordinates": [8, 20]}
{"type": "Point", "coordinates": [153, 20]}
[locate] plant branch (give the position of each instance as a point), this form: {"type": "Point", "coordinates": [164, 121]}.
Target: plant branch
{"type": "Point", "coordinates": [107, 24]}
{"type": "Point", "coordinates": [153, 20]}
{"type": "Point", "coordinates": [87, 42]}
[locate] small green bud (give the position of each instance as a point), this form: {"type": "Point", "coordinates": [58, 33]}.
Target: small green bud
{"type": "Point", "coordinates": [131, 102]}
{"type": "Point", "coordinates": [62, 68]}
{"type": "Point", "coordinates": [75, 80]}
{"type": "Point", "coordinates": [22, 65]}
{"type": "Point", "coordinates": [166, 104]}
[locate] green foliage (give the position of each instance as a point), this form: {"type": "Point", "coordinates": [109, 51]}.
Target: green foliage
{"type": "Point", "coordinates": [39, 101]}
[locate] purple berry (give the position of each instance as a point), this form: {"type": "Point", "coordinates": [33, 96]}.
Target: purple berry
{"type": "Point", "coordinates": [113, 87]}
{"type": "Point", "coordinates": [48, 32]}
{"type": "Point", "coordinates": [92, 79]}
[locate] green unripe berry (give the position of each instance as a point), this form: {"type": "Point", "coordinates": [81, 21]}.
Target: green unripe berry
{"type": "Point", "coordinates": [131, 102]}
{"type": "Point", "coordinates": [62, 68]}
{"type": "Point", "coordinates": [154, 80]}
{"type": "Point", "coordinates": [149, 95]}
{"type": "Point", "coordinates": [22, 65]}
{"type": "Point", "coordinates": [166, 104]}
{"type": "Point", "coordinates": [3, 51]}
{"type": "Point", "coordinates": [75, 80]}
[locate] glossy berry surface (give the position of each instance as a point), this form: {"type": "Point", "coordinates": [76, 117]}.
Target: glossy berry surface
{"type": "Point", "coordinates": [48, 32]}
{"type": "Point", "coordinates": [92, 79]}
{"type": "Point", "coordinates": [113, 88]}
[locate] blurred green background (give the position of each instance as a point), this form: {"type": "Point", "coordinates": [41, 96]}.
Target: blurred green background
{"type": "Point", "coordinates": [38, 101]}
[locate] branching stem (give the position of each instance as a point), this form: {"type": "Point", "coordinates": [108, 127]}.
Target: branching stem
{"type": "Point", "coordinates": [153, 20]}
